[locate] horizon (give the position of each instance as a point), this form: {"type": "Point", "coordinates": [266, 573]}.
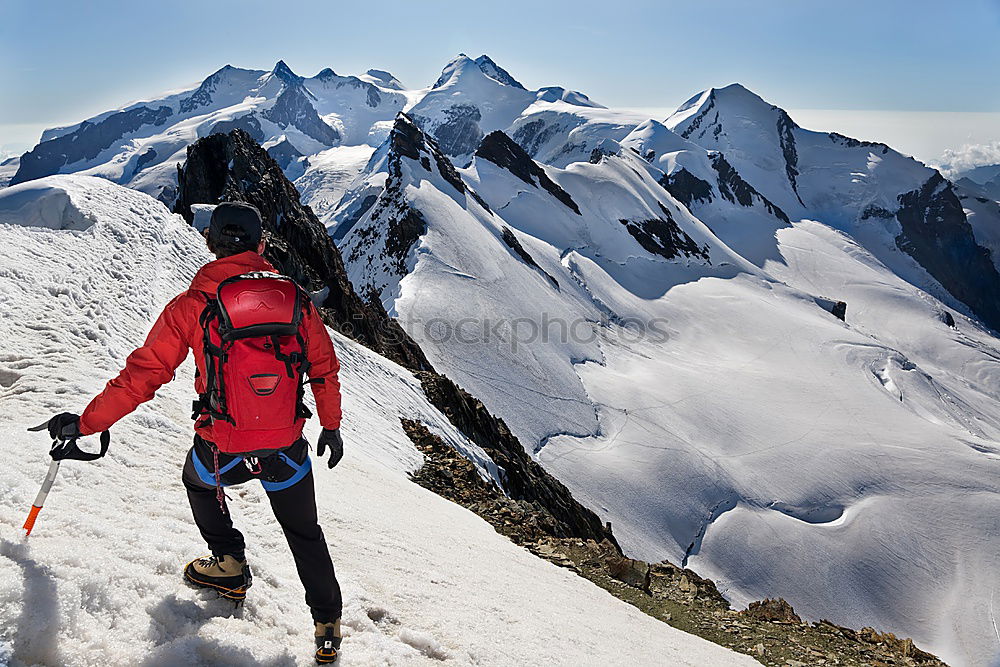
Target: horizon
{"type": "Point", "coordinates": [928, 73]}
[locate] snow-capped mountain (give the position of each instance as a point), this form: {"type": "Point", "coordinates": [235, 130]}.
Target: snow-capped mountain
{"type": "Point", "coordinates": [142, 144]}
{"type": "Point", "coordinates": [657, 310]}
{"type": "Point", "coordinates": [888, 201]}
{"type": "Point", "coordinates": [296, 117]}
{"type": "Point", "coordinates": [755, 436]}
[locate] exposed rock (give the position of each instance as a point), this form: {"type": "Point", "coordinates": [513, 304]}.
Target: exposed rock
{"type": "Point", "coordinates": [294, 108]}
{"type": "Point", "coordinates": [735, 189]}
{"type": "Point", "coordinates": [203, 95]}
{"type": "Point", "coordinates": [873, 211]}
{"type": "Point", "coordinates": [85, 142]}
{"type": "Point", "coordinates": [663, 237]}
{"type": "Point", "coordinates": [839, 310]}
{"type": "Point", "coordinates": [234, 167]}
{"type": "Point", "coordinates": [459, 133]}
{"type": "Point", "coordinates": [284, 153]}
{"type": "Point", "coordinates": [514, 244]}
{"type": "Point", "coordinates": [629, 571]}
{"type": "Point", "coordinates": [693, 604]}
{"type": "Point", "coordinates": [393, 227]}
{"type": "Point", "coordinates": [452, 476]}
{"type": "Point", "coordinates": [937, 234]}
{"type": "Point", "coordinates": [697, 121]}
{"type": "Point", "coordinates": [148, 156]}
{"type": "Point", "coordinates": [771, 610]}
{"type": "Point", "coordinates": [504, 152]}
{"type": "Point", "coordinates": [687, 188]}
{"type": "Point", "coordinates": [532, 135]}
{"type": "Point", "coordinates": [605, 149]}
{"type": "Point", "coordinates": [787, 139]}
{"type": "Point", "coordinates": [838, 138]}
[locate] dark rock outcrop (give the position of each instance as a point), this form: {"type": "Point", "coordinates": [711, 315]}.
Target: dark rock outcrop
{"type": "Point", "coordinates": [284, 153]}
{"type": "Point", "coordinates": [936, 233]}
{"type": "Point", "coordinates": [294, 108]}
{"type": "Point", "coordinates": [839, 310]}
{"type": "Point", "coordinates": [514, 244]}
{"type": "Point", "coordinates": [735, 189]}
{"type": "Point", "coordinates": [392, 227]}
{"type": "Point", "coordinates": [203, 95]}
{"type": "Point", "coordinates": [534, 134]}
{"type": "Point", "coordinates": [850, 142]}
{"type": "Point", "coordinates": [663, 237]}
{"type": "Point", "coordinates": [459, 133]}
{"type": "Point", "coordinates": [873, 211]}
{"type": "Point", "coordinates": [504, 152]}
{"type": "Point", "coordinates": [687, 188]}
{"type": "Point", "coordinates": [86, 141]}
{"type": "Point", "coordinates": [452, 476]}
{"type": "Point", "coordinates": [786, 137]}
{"type": "Point", "coordinates": [698, 120]}
{"type": "Point", "coordinates": [771, 610]}
{"type": "Point", "coordinates": [234, 167]}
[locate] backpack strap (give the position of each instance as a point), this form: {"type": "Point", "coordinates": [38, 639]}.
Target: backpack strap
{"type": "Point", "coordinates": [212, 403]}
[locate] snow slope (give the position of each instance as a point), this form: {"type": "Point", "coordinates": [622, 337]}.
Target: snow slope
{"type": "Point", "coordinates": [86, 265]}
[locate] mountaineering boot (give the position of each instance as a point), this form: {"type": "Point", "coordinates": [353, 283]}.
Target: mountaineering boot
{"type": "Point", "coordinates": [226, 574]}
{"type": "Point", "coordinates": [327, 642]}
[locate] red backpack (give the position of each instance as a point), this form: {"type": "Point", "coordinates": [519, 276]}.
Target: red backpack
{"type": "Point", "coordinates": [255, 362]}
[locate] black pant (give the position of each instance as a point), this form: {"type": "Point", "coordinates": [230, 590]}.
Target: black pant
{"type": "Point", "coordinates": [294, 507]}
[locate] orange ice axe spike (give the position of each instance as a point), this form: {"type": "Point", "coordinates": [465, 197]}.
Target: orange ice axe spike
{"type": "Point", "coordinates": [36, 506]}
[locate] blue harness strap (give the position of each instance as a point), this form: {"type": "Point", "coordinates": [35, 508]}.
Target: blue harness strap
{"type": "Point", "coordinates": [208, 476]}
{"type": "Point", "coordinates": [300, 472]}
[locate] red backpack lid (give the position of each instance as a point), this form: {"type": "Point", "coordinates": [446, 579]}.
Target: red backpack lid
{"type": "Point", "coordinates": [259, 304]}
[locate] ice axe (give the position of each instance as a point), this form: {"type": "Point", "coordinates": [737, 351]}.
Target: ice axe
{"type": "Point", "coordinates": [61, 449]}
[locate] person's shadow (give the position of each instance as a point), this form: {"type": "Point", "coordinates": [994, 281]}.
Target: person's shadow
{"type": "Point", "coordinates": [36, 629]}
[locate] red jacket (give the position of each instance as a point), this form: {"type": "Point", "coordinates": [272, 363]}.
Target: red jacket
{"type": "Point", "coordinates": [177, 330]}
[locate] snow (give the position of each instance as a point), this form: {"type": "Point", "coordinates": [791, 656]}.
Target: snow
{"type": "Point", "coordinates": [329, 174]}
{"type": "Point", "coordinates": [98, 582]}
{"type": "Point", "coordinates": [761, 441]}
{"type": "Point", "coordinates": [560, 133]}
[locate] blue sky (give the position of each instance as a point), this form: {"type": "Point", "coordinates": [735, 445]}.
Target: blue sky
{"type": "Point", "coordinates": [66, 60]}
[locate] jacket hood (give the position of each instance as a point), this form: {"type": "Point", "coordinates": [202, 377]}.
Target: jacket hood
{"type": "Point", "coordinates": [209, 276]}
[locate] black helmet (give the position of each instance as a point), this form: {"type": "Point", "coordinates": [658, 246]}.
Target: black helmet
{"type": "Point", "coordinates": [235, 226]}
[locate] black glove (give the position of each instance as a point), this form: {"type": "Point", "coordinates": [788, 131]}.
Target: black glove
{"type": "Point", "coordinates": [64, 426]}
{"type": "Point", "coordinates": [64, 429]}
{"type": "Point", "coordinates": [331, 438]}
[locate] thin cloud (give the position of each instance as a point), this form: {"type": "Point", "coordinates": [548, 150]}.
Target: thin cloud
{"type": "Point", "coordinates": [969, 156]}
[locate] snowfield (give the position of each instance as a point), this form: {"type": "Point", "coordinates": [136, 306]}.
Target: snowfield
{"type": "Point", "coordinates": [85, 265]}
{"type": "Point", "coordinates": [850, 467]}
